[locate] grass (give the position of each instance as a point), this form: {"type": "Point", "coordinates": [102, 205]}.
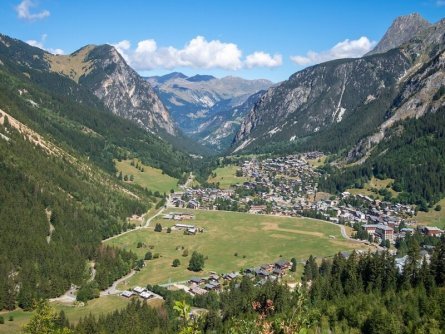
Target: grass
{"type": "Point", "coordinates": [317, 162]}
{"type": "Point", "coordinates": [103, 305]}
{"type": "Point", "coordinates": [226, 176]}
{"type": "Point", "coordinates": [432, 217]}
{"type": "Point", "coordinates": [152, 178]}
{"type": "Point", "coordinates": [376, 184]}
{"type": "Point", "coordinates": [256, 239]}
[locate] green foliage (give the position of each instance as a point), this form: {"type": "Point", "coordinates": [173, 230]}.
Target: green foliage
{"type": "Point", "coordinates": [413, 154]}
{"type": "Point", "coordinates": [196, 262]}
{"type": "Point", "coordinates": [148, 255]}
{"type": "Point", "coordinates": [45, 321]}
{"type": "Point", "coordinates": [176, 263]}
{"type": "Point", "coordinates": [87, 292]}
{"type": "Point", "coordinates": [158, 227]}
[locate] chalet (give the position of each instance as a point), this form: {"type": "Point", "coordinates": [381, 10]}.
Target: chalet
{"type": "Point", "coordinates": [184, 227]}
{"type": "Point", "coordinates": [139, 290]}
{"type": "Point", "coordinates": [432, 231]}
{"type": "Point", "coordinates": [197, 291]}
{"type": "Point", "coordinates": [212, 286]}
{"type": "Point", "coordinates": [193, 204]}
{"type": "Point", "coordinates": [191, 231]}
{"type": "Point", "coordinates": [278, 272]}
{"type": "Point", "coordinates": [127, 294]}
{"type": "Point", "coordinates": [282, 264]}
{"type": "Point", "coordinates": [196, 280]}
{"type": "Point", "coordinates": [146, 295]}
{"type": "Point", "coordinates": [230, 276]}
{"type": "Point", "coordinates": [260, 272]}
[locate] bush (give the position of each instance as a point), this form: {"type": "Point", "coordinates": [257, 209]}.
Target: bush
{"type": "Point", "coordinates": [139, 245]}
{"type": "Point", "coordinates": [156, 256]}
{"type": "Point", "coordinates": [185, 253]}
{"type": "Point", "coordinates": [148, 256]}
{"type": "Point", "coordinates": [2, 320]}
{"type": "Point", "coordinates": [169, 230]}
{"type": "Point", "coordinates": [438, 207]}
{"type": "Point", "coordinates": [176, 263]}
{"type": "Point", "coordinates": [158, 228]}
{"type": "Point", "coordinates": [11, 318]}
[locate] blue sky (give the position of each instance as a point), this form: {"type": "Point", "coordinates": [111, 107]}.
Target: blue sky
{"type": "Point", "coordinates": [252, 39]}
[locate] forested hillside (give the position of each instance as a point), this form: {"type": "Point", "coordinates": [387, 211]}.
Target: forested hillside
{"type": "Point", "coordinates": [413, 154]}
{"type": "Point", "coordinates": [60, 195]}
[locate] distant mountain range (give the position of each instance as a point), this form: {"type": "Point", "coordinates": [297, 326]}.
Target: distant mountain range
{"type": "Point", "coordinates": [203, 102]}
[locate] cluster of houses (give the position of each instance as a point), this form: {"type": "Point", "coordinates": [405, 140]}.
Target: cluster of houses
{"type": "Point", "coordinates": [140, 292]}
{"type": "Point", "coordinates": [203, 198]}
{"type": "Point", "coordinates": [189, 229]}
{"type": "Point", "coordinates": [214, 282]}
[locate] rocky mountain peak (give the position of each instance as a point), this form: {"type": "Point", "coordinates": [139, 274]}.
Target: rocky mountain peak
{"type": "Point", "coordinates": [401, 31]}
{"type": "Point", "coordinates": [105, 72]}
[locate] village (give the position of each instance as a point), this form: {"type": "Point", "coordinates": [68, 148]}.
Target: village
{"type": "Point", "coordinates": [287, 186]}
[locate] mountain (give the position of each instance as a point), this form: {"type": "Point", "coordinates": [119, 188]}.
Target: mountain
{"type": "Point", "coordinates": [103, 70]}
{"type": "Point", "coordinates": [401, 31]}
{"type": "Point", "coordinates": [59, 195]}
{"type": "Point", "coordinates": [333, 105]}
{"type": "Point", "coordinates": [219, 130]}
{"type": "Point", "coordinates": [194, 101]}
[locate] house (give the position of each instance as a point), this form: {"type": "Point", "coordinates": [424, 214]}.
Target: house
{"type": "Point", "coordinates": [260, 272]}
{"type": "Point", "coordinates": [230, 276]}
{"type": "Point", "coordinates": [139, 290]}
{"type": "Point", "coordinates": [127, 294]}
{"type": "Point", "coordinates": [191, 231]}
{"type": "Point", "coordinates": [197, 291]}
{"type": "Point", "coordinates": [193, 204]}
{"type": "Point", "coordinates": [146, 295]}
{"type": "Point", "coordinates": [196, 280]}
{"type": "Point", "coordinates": [432, 231]}
{"type": "Point", "coordinates": [278, 272]}
{"type": "Point", "coordinates": [282, 264]}
{"type": "Point", "coordinates": [184, 226]}
{"type": "Point", "coordinates": [212, 286]}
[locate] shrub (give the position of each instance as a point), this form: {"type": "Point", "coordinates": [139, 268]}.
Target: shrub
{"type": "Point", "coordinates": [148, 256]}
{"type": "Point", "coordinates": [176, 263]}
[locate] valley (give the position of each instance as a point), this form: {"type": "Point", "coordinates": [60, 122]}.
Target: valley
{"type": "Point", "coordinates": [153, 188]}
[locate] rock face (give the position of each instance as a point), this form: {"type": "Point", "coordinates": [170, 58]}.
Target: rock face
{"type": "Point", "coordinates": [194, 101]}
{"type": "Point", "coordinates": [350, 100]}
{"type": "Point", "coordinates": [103, 70]}
{"type": "Point", "coordinates": [401, 31]}
{"type": "Point", "coordinates": [219, 130]}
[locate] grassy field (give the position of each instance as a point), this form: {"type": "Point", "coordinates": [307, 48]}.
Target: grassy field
{"type": "Point", "coordinates": [226, 176]}
{"type": "Point", "coordinates": [317, 162]}
{"type": "Point", "coordinates": [374, 183]}
{"type": "Point", "coordinates": [256, 239]}
{"type": "Point", "coordinates": [151, 178]}
{"type": "Point", "coordinates": [432, 217]}
{"type": "Point", "coordinates": [96, 307]}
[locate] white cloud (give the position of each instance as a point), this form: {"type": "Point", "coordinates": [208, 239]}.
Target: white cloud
{"type": "Point", "coordinates": [41, 44]}
{"type": "Point", "coordinates": [23, 10]}
{"type": "Point", "coordinates": [345, 49]}
{"type": "Point", "coordinates": [197, 53]}
{"type": "Point", "coordinates": [262, 59]}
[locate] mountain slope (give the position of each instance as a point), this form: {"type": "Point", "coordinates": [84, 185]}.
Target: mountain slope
{"type": "Point", "coordinates": [103, 70]}
{"type": "Point", "coordinates": [401, 31]}
{"type": "Point", "coordinates": [333, 105]}
{"type": "Point", "coordinates": [219, 130]}
{"type": "Point", "coordinates": [193, 101]}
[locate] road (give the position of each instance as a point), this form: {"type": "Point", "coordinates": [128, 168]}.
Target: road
{"type": "Point", "coordinates": [113, 290]}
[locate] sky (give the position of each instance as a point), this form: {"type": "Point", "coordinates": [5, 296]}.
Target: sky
{"type": "Point", "coordinates": [248, 38]}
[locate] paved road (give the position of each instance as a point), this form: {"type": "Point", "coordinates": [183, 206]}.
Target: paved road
{"type": "Point", "coordinates": [113, 290]}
